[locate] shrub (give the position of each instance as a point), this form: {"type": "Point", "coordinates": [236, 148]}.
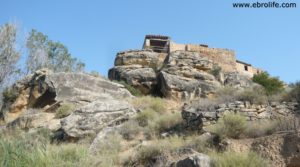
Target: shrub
{"type": "Point", "coordinates": [261, 128]}
{"type": "Point", "coordinates": [148, 102]}
{"type": "Point", "coordinates": [272, 85]}
{"type": "Point", "coordinates": [232, 159]}
{"type": "Point", "coordinates": [145, 116]}
{"type": "Point", "coordinates": [9, 95]}
{"type": "Point", "coordinates": [64, 110]}
{"type": "Point", "coordinates": [108, 151]}
{"type": "Point", "coordinates": [130, 129]}
{"type": "Point", "coordinates": [294, 93]}
{"type": "Point", "coordinates": [168, 121]}
{"type": "Point", "coordinates": [215, 71]}
{"type": "Point", "coordinates": [255, 95]}
{"type": "Point", "coordinates": [147, 154]}
{"type": "Point", "coordinates": [231, 125]}
{"type": "Point", "coordinates": [131, 89]}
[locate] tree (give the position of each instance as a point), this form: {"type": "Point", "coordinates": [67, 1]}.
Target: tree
{"type": "Point", "coordinates": [9, 55]}
{"type": "Point", "coordinates": [38, 54]}
{"type": "Point", "coordinates": [272, 85]}
{"type": "Point", "coordinates": [53, 55]}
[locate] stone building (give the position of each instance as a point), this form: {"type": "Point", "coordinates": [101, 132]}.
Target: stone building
{"type": "Point", "coordinates": [225, 58]}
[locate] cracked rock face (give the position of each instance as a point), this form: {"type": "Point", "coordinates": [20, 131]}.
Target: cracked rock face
{"type": "Point", "coordinates": [93, 117]}
{"type": "Point", "coordinates": [177, 75]}
{"type": "Point", "coordinates": [96, 102]}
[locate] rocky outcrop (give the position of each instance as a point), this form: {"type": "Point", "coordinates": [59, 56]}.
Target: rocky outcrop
{"type": "Point", "coordinates": [238, 81]}
{"type": "Point", "coordinates": [93, 117]}
{"type": "Point", "coordinates": [138, 69]}
{"type": "Point", "coordinates": [178, 75]}
{"type": "Point", "coordinates": [96, 102]}
{"type": "Point", "coordinates": [186, 76]}
{"type": "Point", "coordinates": [143, 79]}
{"type": "Point", "coordinates": [197, 116]}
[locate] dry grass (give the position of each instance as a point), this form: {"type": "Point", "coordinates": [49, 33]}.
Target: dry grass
{"type": "Point", "coordinates": [232, 159]}
{"type": "Point", "coordinates": [232, 125]}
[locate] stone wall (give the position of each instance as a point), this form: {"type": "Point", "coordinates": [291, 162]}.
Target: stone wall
{"type": "Point", "coordinates": [223, 57]}
{"type": "Point", "coordinates": [197, 116]}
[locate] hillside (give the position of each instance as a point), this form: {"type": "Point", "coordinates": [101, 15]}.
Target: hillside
{"type": "Point", "coordinates": [179, 110]}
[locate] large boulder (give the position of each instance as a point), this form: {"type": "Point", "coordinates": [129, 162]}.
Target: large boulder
{"type": "Point", "coordinates": [194, 160]}
{"type": "Point", "coordinates": [145, 58]}
{"type": "Point", "coordinates": [137, 68]}
{"type": "Point", "coordinates": [186, 76]}
{"type": "Point", "coordinates": [96, 103]}
{"type": "Point", "coordinates": [93, 117]}
{"type": "Point", "coordinates": [143, 79]}
{"type": "Point", "coordinates": [178, 75]}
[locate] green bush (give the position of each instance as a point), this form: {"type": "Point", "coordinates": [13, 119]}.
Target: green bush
{"type": "Point", "coordinates": [272, 85]}
{"type": "Point", "coordinates": [232, 159]}
{"type": "Point", "coordinates": [131, 89]}
{"type": "Point", "coordinates": [64, 110]}
{"type": "Point", "coordinates": [232, 125]}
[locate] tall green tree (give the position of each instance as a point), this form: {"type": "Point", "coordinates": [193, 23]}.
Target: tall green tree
{"type": "Point", "coordinates": [45, 53]}
{"type": "Point", "coordinates": [9, 54]}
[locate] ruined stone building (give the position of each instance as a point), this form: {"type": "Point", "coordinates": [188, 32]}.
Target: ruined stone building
{"type": "Point", "coordinates": [225, 58]}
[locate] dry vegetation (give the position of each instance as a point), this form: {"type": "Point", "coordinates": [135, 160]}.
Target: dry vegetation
{"type": "Point", "coordinates": [156, 116]}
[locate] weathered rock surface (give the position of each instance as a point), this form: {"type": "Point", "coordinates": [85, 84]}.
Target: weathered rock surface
{"type": "Point", "coordinates": [138, 69]}
{"type": "Point", "coordinates": [178, 75]}
{"type": "Point", "coordinates": [238, 81]}
{"type": "Point", "coordinates": [143, 79]}
{"type": "Point", "coordinates": [96, 102]}
{"type": "Point", "coordinates": [280, 150]}
{"type": "Point", "coordinates": [194, 160]}
{"type": "Point", "coordinates": [185, 76]}
{"type": "Point", "coordinates": [36, 119]}
{"type": "Point", "coordinates": [91, 118]}
{"type": "Point", "coordinates": [197, 116]}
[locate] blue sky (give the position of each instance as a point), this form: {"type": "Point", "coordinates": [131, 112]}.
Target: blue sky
{"type": "Point", "coordinates": [94, 31]}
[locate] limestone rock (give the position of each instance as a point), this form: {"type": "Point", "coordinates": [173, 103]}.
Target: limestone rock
{"type": "Point", "coordinates": [93, 117]}
{"type": "Point", "coordinates": [185, 76]}
{"type": "Point", "coordinates": [195, 160]}
{"type": "Point", "coordinates": [187, 59]}
{"type": "Point", "coordinates": [143, 79]}
{"type": "Point", "coordinates": [196, 115]}
{"type": "Point", "coordinates": [44, 89]}
{"type": "Point", "coordinates": [238, 80]}
{"type": "Point", "coordinates": [145, 58]}
{"type": "Point", "coordinates": [35, 119]}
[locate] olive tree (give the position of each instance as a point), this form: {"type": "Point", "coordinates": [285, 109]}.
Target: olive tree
{"type": "Point", "coordinates": [45, 53]}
